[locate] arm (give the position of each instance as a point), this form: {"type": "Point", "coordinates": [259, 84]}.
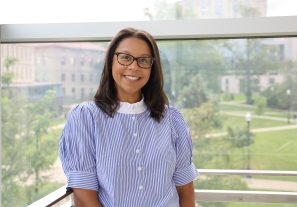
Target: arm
{"type": "Point", "coordinates": [186, 195]}
{"type": "Point", "coordinates": [86, 198]}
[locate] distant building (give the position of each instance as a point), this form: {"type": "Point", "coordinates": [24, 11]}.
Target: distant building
{"type": "Point", "coordinates": [76, 65]}
{"type": "Point", "coordinates": [210, 9]}
{"type": "Point", "coordinates": [23, 69]}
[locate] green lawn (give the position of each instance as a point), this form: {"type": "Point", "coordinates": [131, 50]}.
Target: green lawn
{"type": "Point", "coordinates": [275, 150]}
{"type": "Point", "coordinates": [236, 121]}
{"type": "Point", "coordinates": [259, 205]}
{"type": "Point", "coordinates": [227, 107]}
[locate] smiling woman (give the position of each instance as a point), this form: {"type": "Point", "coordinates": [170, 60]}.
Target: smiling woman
{"type": "Point", "coordinates": [128, 147]}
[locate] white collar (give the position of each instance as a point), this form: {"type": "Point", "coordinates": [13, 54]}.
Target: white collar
{"type": "Point", "coordinates": [135, 108]}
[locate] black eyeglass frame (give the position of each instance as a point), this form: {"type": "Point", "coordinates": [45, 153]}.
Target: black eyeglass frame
{"type": "Point", "coordinates": [134, 58]}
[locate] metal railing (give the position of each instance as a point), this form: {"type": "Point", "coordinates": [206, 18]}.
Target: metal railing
{"type": "Point", "coordinates": [55, 197]}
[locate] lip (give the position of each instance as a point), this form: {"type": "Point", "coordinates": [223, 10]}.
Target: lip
{"type": "Point", "coordinates": [131, 81]}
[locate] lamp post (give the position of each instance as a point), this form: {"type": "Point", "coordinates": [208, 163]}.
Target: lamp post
{"type": "Point", "coordinates": [289, 104]}
{"type": "Point", "coordinates": [272, 98]}
{"type": "Point", "coordinates": [248, 118]}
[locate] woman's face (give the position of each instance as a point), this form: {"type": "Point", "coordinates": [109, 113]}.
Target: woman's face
{"type": "Point", "coordinates": [130, 79]}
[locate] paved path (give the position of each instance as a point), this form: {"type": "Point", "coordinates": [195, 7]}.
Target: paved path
{"type": "Point", "coordinates": [268, 129]}
{"type": "Point", "coordinates": [264, 184]}
{"type": "Point", "coordinates": [242, 114]}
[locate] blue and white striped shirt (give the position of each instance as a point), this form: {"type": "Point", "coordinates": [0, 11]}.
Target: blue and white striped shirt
{"type": "Point", "coordinates": [130, 159]}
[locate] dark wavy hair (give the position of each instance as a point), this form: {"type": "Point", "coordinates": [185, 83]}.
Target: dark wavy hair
{"type": "Point", "coordinates": [106, 97]}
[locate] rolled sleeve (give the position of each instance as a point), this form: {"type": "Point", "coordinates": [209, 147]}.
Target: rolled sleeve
{"type": "Point", "coordinates": [185, 176]}
{"type": "Point", "coordinates": [85, 180]}
{"type": "Point", "coordinates": [185, 170]}
{"type": "Point", "coordinates": [77, 149]}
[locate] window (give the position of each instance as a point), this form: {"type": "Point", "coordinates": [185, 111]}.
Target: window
{"type": "Point", "coordinates": [82, 61]}
{"type": "Point", "coordinates": [37, 60]}
{"type": "Point", "coordinates": [271, 81]}
{"type": "Point", "coordinates": [91, 62]}
{"type": "Point", "coordinates": [44, 58]}
{"type": "Point", "coordinates": [63, 77]}
{"type": "Point", "coordinates": [73, 90]}
{"type": "Point", "coordinates": [64, 91]}
{"type": "Point", "coordinates": [82, 77]}
{"type": "Point", "coordinates": [63, 60]}
{"type": "Point", "coordinates": [73, 77]}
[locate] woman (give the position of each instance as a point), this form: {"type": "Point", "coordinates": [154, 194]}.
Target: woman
{"type": "Point", "coordinates": [127, 147]}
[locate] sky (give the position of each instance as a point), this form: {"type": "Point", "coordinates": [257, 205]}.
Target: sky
{"type": "Point", "coordinates": [71, 11]}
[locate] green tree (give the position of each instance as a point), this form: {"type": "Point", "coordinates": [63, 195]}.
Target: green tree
{"type": "Point", "coordinates": [8, 75]}
{"type": "Point", "coordinates": [260, 105]}
{"type": "Point", "coordinates": [250, 58]}
{"type": "Point", "coordinates": [25, 153]}
{"type": "Point", "coordinates": [238, 138]}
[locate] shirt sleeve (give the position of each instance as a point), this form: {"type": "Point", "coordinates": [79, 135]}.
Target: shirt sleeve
{"type": "Point", "coordinates": [185, 170]}
{"type": "Point", "coordinates": [77, 149]}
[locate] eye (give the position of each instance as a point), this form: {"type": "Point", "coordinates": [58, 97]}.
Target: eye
{"type": "Point", "coordinates": [143, 60]}
{"type": "Point", "coordinates": [125, 57]}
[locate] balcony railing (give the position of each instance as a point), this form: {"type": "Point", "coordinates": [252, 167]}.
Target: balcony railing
{"type": "Point", "coordinates": [57, 198]}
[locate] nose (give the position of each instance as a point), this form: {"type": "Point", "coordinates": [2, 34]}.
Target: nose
{"type": "Point", "coordinates": [134, 66]}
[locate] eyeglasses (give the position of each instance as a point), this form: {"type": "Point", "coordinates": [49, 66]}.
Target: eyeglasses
{"type": "Point", "coordinates": [126, 59]}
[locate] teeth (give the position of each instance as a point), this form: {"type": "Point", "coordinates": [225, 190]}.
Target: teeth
{"type": "Point", "coordinates": [131, 77]}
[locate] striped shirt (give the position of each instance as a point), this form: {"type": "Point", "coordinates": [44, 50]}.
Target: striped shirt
{"type": "Point", "coordinates": [131, 159]}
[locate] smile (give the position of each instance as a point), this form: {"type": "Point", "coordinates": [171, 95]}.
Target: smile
{"type": "Point", "coordinates": [131, 77]}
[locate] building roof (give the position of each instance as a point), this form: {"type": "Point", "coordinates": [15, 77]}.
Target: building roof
{"type": "Point", "coordinates": [71, 45]}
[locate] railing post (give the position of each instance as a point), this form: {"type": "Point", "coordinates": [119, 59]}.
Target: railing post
{"type": "Point", "coordinates": [72, 200]}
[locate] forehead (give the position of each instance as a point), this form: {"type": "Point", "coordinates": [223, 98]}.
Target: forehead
{"type": "Point", "coordinates": [134, 46]}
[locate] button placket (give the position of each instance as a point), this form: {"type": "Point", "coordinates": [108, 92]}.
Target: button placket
{"type": "Point", "coordinates": [138, 153]}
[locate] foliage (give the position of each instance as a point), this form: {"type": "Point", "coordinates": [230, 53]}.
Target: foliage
{"type": "Point", "coordinates": [194, 94]}
{"type": "Point", "coordinates": [260, 105]}
{"type": "Point", "coordinates": [202, 119]}
{"type": "Point", "coordinates": [227, 96]}
{"type": "Point", "coordinates": [278, 98]}
{"type": "Point", "coordinates": [252, 57]}
{"type": "Point", "coordinates": [8, 75]}
{"type": "Point", "coordinates": [25, 153]}
{"type": "Point", "coordinates": [193, 58]}
{"type": "Point", "coordinates": [238, 137]}
{"type": "Point", "coordinates": [164, 10]}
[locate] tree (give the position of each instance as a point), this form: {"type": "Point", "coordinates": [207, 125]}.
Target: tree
{"type": "Point", "coordinates": [260, 105]}
{"type": "Point", "coordinates": [8, 75]}
{"type": "Point", "coordinates": [250, 58]}
{"type": "Point", "coordinates": [238, 138]}
{"type": "Point", "coordinates": [25, 151]}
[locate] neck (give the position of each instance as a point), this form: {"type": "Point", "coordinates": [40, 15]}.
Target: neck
{"type": "Point", "coordinates": [130, 99]}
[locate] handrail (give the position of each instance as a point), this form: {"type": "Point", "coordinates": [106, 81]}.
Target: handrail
{"type": "Point", "coordinates": [247, 172]}
{"type": "Point", "coordinates": [209, 195]}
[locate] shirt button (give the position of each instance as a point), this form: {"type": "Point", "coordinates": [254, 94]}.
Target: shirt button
{"type": "Point", "coordinates": [133, 118]}
{"type": "Point", "coordinates": [137, 151]}
{"type": "Point", "coordinates": [139, 168]}
{"type": "Point", "coordinates": [135, 134]}
{"type": "Point", "coordinates": [140, 187]}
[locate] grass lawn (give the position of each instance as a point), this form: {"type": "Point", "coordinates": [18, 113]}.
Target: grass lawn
{"type": "Point", "coordinates": [275, 150]}
{"type": "Point", "coordinates": [259, 205]}
{"type": "Point", "coordinates": [243, 108]}
{"type": "Point", "coordinates": [227, 107]}
{"type": "Point", "coordinates": [235, 121]}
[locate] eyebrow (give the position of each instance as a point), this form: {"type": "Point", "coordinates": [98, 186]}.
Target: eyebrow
{"type": "Point", "coordinates": [125, 51]}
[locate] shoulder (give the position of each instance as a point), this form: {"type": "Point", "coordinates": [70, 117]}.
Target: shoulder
{"type": "Point", "coordinates": [173, 112]}
{"type": "Point", "coordinates": [87, 107]}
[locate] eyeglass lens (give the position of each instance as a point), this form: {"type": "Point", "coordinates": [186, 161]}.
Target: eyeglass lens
{"type": "Point", "coordinates": [144, 62]}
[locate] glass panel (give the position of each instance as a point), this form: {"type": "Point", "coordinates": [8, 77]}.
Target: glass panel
{"type": "Point", "coordinates": [134, 10]}
{"type": "Point", "coordinates": [215, 83]}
